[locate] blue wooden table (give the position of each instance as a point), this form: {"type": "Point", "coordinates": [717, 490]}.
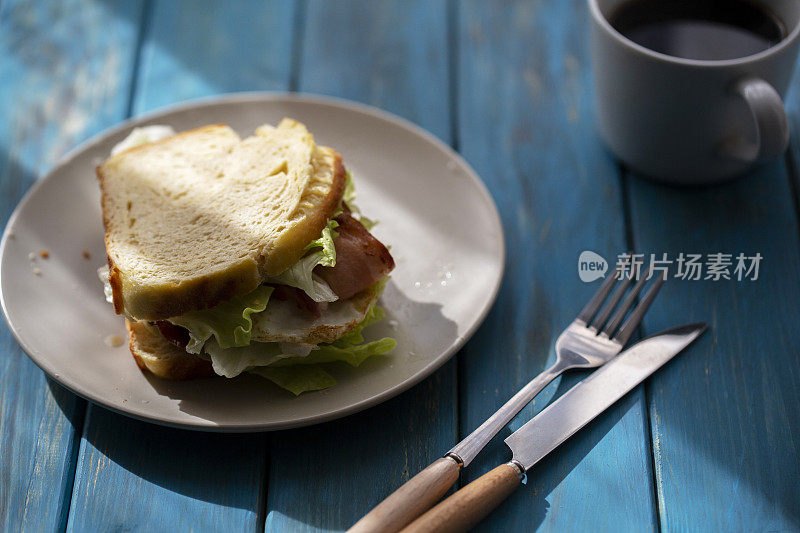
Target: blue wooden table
{"type": "Point", "coordinates": [710, 443]}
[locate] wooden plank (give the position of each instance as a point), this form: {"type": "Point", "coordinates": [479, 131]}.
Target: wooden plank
{"type": "Point", "coordinates": [196, 49]}
{"type": "Point", "coordinates": [392, 54]}
{"type": "Point", "coordinates": [525, 123]}
{"type": "Point", "coordinates": [55, 91]}
{"type": "Point", "coordinates": [137, 476]}
{"type": "Point", "coordinates": [724, 419]}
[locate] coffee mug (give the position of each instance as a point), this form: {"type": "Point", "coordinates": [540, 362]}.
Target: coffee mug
{"type": "Point", "coordinates": [691, 121]}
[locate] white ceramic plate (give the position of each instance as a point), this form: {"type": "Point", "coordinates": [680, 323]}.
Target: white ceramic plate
{"type": "Point", "coordinates": [441, 223]}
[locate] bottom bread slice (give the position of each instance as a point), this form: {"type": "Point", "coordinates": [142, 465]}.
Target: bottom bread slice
{"type": "Point", "coordinates": [155, 353]}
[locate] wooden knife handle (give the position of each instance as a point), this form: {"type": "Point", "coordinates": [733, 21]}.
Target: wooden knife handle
{"type": "Point", "coordinates": [412, 499]}
{"type": "Point", "coordinates": [470, 505]}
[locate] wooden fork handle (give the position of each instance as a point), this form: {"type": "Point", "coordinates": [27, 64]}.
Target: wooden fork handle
{"type": "Point", "coordinates": [470, 505]}
{"type": "Point", "coordinates": [412, 499]}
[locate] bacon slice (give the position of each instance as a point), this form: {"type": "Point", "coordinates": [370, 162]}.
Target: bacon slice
{"type": "Point", "coordinates": [361, 259]}
{"type": "Point", "coordinates": [177, 335]}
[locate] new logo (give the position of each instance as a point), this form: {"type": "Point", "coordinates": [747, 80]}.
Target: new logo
{"type": "Point", "coordinates": [591, 266]}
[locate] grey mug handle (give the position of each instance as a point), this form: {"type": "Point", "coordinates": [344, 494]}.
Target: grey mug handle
{"type": "Point", "coordinates": [772, 126]}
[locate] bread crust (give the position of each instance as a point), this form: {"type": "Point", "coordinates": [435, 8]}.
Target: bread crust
{"type": "Point", "coordinates": [317, 221]}
{"type": "Point", "coordinates": [209, 289]}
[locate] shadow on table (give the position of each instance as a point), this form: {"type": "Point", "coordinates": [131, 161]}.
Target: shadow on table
{"type": "Point", "coordinates": [313, 471]}
{"type": "Point", "coordinates": [223, 469]}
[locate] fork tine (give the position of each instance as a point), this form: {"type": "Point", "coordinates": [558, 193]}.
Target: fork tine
{"type": "Point", "coordinates": [630, 325]}
{"type": "Point", "coordinates": [615, 321]}
{"type": "Point", "coordinates": [601, 318]}
{"type": "Point", "coordinates": [594, 304]}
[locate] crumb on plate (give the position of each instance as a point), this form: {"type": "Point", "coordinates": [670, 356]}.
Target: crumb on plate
{"type": "Point", "coordinates": [44, 253]}
{"type": "Point", "coordinates": [87, 255]}
{"type": "Point", "coordinates": [113, 341]}
{"type": "Point", "coordinates": [37, 272]}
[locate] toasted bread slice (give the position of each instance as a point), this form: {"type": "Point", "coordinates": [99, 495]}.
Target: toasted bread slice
{"type": "Point", "coordinates": [155, 353]}
{"type": "Point", "coordinates": [200, 217]}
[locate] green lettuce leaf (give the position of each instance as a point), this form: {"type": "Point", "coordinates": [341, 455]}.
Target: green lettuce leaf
{"type": "Point", "coordinates": [229, 322]}
{"type": "Point", "coordinates": [302, 374]}
{"type": "Point", "coordinates": [297, 379]}
{"type": "Point", "coordinates": [301, 274]}
{"type": "Point", "coordinates": [354, 336]}
{"type": "Point", "coordinates": [353, 354]}
{"type": "Point", "coordinates": [325, 241]}
{"type": "Point", "coordinates": [368, 223]}
{"type": "Point", "coordinates": [349, 197]}
{"type": "Point", "coordinates": [230, 362]}
{"type": "Point", "coordinates": [349, 194]}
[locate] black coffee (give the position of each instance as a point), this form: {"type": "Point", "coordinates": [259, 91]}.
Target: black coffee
{"type": "Point", "coordinates": [699, 29]}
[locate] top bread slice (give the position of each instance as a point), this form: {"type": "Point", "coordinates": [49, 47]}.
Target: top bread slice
{"type": "Point", "coordinates": [203, 216]}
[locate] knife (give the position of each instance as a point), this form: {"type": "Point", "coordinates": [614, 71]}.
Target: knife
{"type": "Point", "coordinates": [555, 424]}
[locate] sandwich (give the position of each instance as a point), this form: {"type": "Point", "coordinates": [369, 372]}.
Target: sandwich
{"type": "Point", "coordinates": [229, 255]}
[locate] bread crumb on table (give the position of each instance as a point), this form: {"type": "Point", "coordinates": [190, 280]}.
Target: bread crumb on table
{"type": "Point", "coordinates": [37, 272]}
{"type": "Point", "coordinates": [32, 256]}
{"type": "Point", "coordinates": [44, 253]}
{"type": "Point", "coordinates": [87, 255]}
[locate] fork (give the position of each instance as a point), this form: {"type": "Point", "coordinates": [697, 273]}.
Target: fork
{"type": "Point", "coordinates": [590, 341]}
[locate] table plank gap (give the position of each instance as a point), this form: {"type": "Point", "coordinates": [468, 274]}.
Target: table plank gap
{"type": "Point", "coordinates": [630, 240]}
{"type": "Point", "coordinates": [72, 457]}
{"type": "Point", "coordinates": [453, 103]}
{"type": "Point", "coordinates": [452, 70]}
{"type": "Point", "coordinates": [263, 509]}
{"type": "Point", "coordinates": [144, 26]}
{"type": "Point", "coordinates": [298, 38]}
{"type": "Point", "coordinates": [647, 435]}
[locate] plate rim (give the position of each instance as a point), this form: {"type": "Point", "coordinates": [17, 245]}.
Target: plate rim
{"type": "Point", "coordinates": [256, 97]}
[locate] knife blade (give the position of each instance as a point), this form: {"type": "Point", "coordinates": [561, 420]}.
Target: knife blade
{"type": "Point", "coordinates": [566, 416]}
{"type": "Point", "coordinates": [554, 425]}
